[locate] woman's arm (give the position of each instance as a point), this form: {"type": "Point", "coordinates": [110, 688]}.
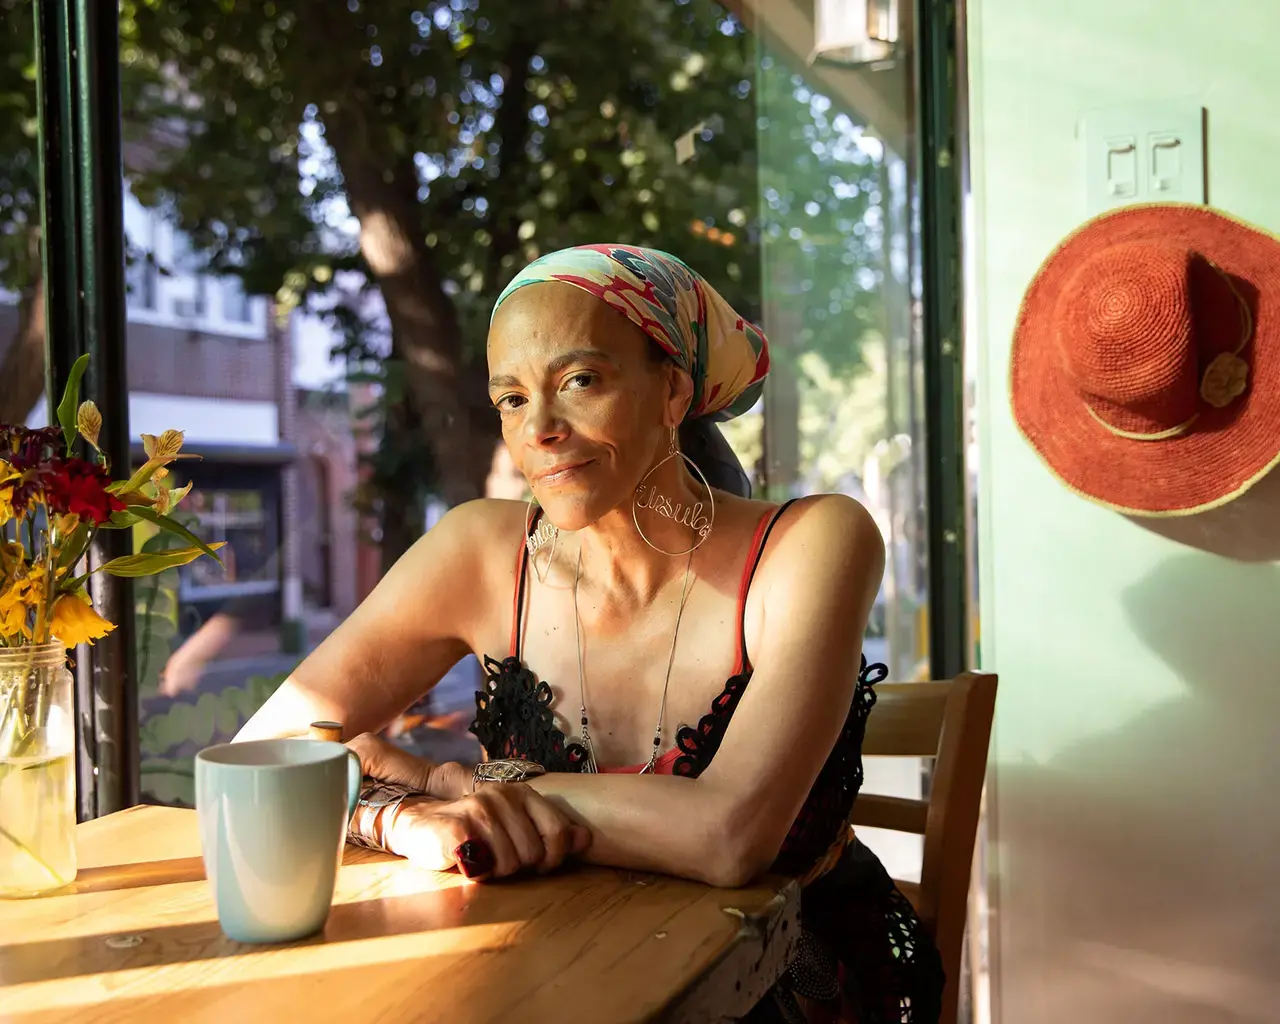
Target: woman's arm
{"type": "Point", "coordinates": [819, 580]}
{"type": "Point", "coordinates": [401, 640]}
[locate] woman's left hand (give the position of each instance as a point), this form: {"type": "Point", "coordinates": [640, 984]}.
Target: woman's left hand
{"type": "Point", "coordinates": [387, 762]}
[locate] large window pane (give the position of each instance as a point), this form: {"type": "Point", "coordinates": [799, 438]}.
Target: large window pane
{"type": "Point", "coordinates": [332, 196]}
{"type": "Point", "coordinates": [842, 409]}
{"type": "Point", "coordinates": [21, 303]}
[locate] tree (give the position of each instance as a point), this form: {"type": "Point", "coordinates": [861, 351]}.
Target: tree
{"type": "Point", "coordinates": [435, 147]}
{"type": "Point", "coordinates": [22, 358]}
{"type": "Point", "coordinates": [464, 139]}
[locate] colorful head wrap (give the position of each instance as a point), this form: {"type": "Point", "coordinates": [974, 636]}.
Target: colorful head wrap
{"type": "Point", "coordinates": [726, 356]}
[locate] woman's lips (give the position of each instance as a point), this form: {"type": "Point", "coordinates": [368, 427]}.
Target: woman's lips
{"type": "Point", "coordinates": [559, 476]}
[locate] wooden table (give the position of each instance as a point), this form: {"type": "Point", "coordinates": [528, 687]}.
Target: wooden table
{"type": "Point", "coordinates": [136, 938]}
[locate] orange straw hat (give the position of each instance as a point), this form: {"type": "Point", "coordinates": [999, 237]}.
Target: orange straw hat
{"type": "Point", "coordinates": [1146, 359]}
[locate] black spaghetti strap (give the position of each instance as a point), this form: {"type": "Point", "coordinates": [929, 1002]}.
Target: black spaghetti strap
{"type": "Point", "coordinates": [518, 633]}
{"type": "Point", "coordinates": [744, 660]}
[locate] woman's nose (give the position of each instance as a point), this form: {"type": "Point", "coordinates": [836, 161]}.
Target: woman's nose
{"type": "Point", "coordinates": [545, 425]}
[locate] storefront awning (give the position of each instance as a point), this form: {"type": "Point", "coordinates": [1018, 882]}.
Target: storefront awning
{"type": "Point", "coordinates": [237, 454]}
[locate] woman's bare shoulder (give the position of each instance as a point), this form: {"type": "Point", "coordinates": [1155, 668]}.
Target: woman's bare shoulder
{"type": "Point", "coordinates": [815, 516]}
{"type": "Point", "coordinates": [485, 519]}
{"type": "Point", "coordinates": [470, 545]}
{"type": "Point", "coordinates": [824, 530]}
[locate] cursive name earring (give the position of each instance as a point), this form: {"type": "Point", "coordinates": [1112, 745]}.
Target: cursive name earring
{"type": "Point", "coordinates": [546, 533]}
{"type": "Point", "coordinates": [683, 515]}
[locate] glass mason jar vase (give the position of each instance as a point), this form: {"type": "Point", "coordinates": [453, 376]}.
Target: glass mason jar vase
{"type": "Point", "coordinates": [37, 770]}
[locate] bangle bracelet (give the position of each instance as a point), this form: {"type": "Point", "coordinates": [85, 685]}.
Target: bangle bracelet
{"type": "Point", "coordinates": [511, 770]}
{"type": "Point", "coordinates": [375, 797]}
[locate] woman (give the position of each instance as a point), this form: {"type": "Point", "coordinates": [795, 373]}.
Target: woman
{"type": "Point", "coordinates": [613, 613]}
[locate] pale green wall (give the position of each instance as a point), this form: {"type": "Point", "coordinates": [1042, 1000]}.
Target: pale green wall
{"type": "Point", "coordinates": [1135, 815]}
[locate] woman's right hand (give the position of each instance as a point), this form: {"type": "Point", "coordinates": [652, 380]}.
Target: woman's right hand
{"type": "Point", "coordinates": [500, 829]}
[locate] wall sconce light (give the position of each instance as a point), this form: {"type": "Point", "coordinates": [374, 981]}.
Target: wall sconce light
{"type": "Point", "coordinates": [852, 33]}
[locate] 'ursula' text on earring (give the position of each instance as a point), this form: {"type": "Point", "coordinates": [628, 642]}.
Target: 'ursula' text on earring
{"type": "Point", "coordinates": [686, 515]}
{"type": "Point", "coordinates": [545, 533]}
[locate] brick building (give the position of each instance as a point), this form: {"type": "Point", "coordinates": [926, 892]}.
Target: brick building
{"type": "Point", "coordinates": [279, 460]}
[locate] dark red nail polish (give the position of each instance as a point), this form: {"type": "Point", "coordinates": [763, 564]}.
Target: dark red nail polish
{"type": "Point", "coordinates": [475, 859]}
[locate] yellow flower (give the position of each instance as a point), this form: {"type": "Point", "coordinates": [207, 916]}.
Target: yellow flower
{"type": "Point", "coordinates": [7, 480]}
{"type": "Point", "coordinates": [89, 422]}
{"type": "Point", "coordinates": [75, 621]}
{"type": "Point", "coordinates": [166, 446]}
{"type": "Point", "coordinates": [16, 601]}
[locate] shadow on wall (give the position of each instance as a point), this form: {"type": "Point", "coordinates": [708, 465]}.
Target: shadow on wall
{"type": "Point", "coordinates": [1153, 847]}
{"type": "Point", "coordinates": [1247, 529]}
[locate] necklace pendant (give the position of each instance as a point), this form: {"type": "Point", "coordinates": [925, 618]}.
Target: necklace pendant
{"type": "Point", "coordinates": [589, 767]}
{"type": "Point", "coordinates": [651, 766]}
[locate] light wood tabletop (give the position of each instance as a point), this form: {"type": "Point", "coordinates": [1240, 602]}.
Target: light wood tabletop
{"type": "Point", "coordinates": [135, 938]}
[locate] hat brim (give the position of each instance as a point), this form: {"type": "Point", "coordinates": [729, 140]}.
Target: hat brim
{"type": "Point", "coordinates": [1226, 450]}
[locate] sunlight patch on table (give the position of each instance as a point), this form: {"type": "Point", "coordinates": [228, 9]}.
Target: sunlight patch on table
{"type": "Point", "coordinates": [243, 968]}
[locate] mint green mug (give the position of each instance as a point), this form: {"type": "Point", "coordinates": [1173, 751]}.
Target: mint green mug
{"type": "Point", "coordinates": [273, 819]}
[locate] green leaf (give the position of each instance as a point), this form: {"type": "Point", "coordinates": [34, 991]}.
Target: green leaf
{"type": "Point", "coordinates": [149, 565]}
{"type": "Point", "coordinates": [160, 595]}
{"type": "Point", "coordinates": [160, 734]}
{"type": "Point", "coordinates": [168, 766]}
{"type": "Point", "coordinates": [71, 400]}
{"type": "Point", "coordinates": [169, 781]}
{"type": "Point", "coordinates": [74, 546]}
{"type": "Point", "coordinates": [142, 476]}
{"type": "Point", "coordinates": [121, 521]}
{"type": "Point", "coordinates": [172, 526]}
{"type": "Point", "coordinates": [229, 721]}
{"type": "Point", "coordinates": [156, 627]}
{"type": "Point", "coordinates": [160, 541]}
{"type": "Point", "coordinates": [72, 585]}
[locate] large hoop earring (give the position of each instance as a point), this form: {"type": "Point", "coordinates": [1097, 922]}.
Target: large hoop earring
{"type": "Point", "coordinates": [690, 516]}
{"type": "Point", "coordinates": [537, 540]}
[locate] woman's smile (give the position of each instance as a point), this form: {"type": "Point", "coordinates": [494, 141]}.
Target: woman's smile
{"type": "Point", "coordinates": [563, 473]}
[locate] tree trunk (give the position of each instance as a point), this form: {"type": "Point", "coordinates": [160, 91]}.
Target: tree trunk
{"type": "Point", "coordinates": [22, 368]}
{"type": "Point", "coordinates": [441, 402]}
{"type": "Point", "coordinates": [403, 513]}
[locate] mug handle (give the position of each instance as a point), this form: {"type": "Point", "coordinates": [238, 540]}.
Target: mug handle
{"type": "Point", "coordinates": [355, 776]}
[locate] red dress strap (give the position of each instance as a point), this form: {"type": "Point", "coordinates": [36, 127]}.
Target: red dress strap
{"type": "Point", "coordinates": [517, 602]}
{"type": "Point", "coordinates": [763, 528]}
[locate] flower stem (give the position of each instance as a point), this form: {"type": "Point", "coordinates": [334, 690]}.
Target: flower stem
{"type": "Point", "coordinates": [24, 682]}
{"type": "Point", "coordinates": [8, 724]}
{"type": "Point", "coordinates": [23, 847]}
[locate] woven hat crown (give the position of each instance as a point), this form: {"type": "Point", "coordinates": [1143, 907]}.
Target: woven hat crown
{"type": "Point", "coordinates": [1137, 324]}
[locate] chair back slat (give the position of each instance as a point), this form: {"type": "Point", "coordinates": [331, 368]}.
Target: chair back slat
{"type": "Point", "coordinates": [950, 722]}
{"type": "Point", "coordinates": [906, 720]}
{"type": "Point", "coordinates": [892, 812]}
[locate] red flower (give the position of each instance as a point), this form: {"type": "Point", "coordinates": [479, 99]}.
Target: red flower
{"type": "Point", "coordinates": [80, 487]}
{"type": "Point", "coordinates": [25, 448]}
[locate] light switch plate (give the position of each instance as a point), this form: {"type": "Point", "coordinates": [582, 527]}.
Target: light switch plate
{"type": "Point", "coordinates": [1145, 153]}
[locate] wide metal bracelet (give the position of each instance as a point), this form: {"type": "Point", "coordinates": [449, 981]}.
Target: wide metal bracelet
{"type": "Point", "coordinates": [375, 795]}
{"type": "Point", "coordinates": [510, 770]}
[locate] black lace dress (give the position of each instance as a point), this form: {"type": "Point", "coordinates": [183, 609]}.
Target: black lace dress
{"type": "Point", "coordinates": [863, 948]}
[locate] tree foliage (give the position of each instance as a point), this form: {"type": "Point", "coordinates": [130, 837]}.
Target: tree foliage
{"type": "Point", "coordinates": [436, 146]}
{"type": "Point", "coordinates": [21, 365]}
{"type": "Point", "coordinates": [20, 163]}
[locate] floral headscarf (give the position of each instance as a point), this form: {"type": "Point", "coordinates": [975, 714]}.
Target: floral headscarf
{"type": "Point", "coordinates": [726, 356]}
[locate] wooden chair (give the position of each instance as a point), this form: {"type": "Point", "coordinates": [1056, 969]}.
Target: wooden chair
{"type": "Point", "coordinates": [949, 721]}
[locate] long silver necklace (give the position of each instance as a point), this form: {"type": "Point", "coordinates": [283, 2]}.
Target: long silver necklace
{"type": "Point", "coordinates": [591, 765]}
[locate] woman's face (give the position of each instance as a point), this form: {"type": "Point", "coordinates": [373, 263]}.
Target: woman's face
{"type": "Point", "coordinates": [585, 405]}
